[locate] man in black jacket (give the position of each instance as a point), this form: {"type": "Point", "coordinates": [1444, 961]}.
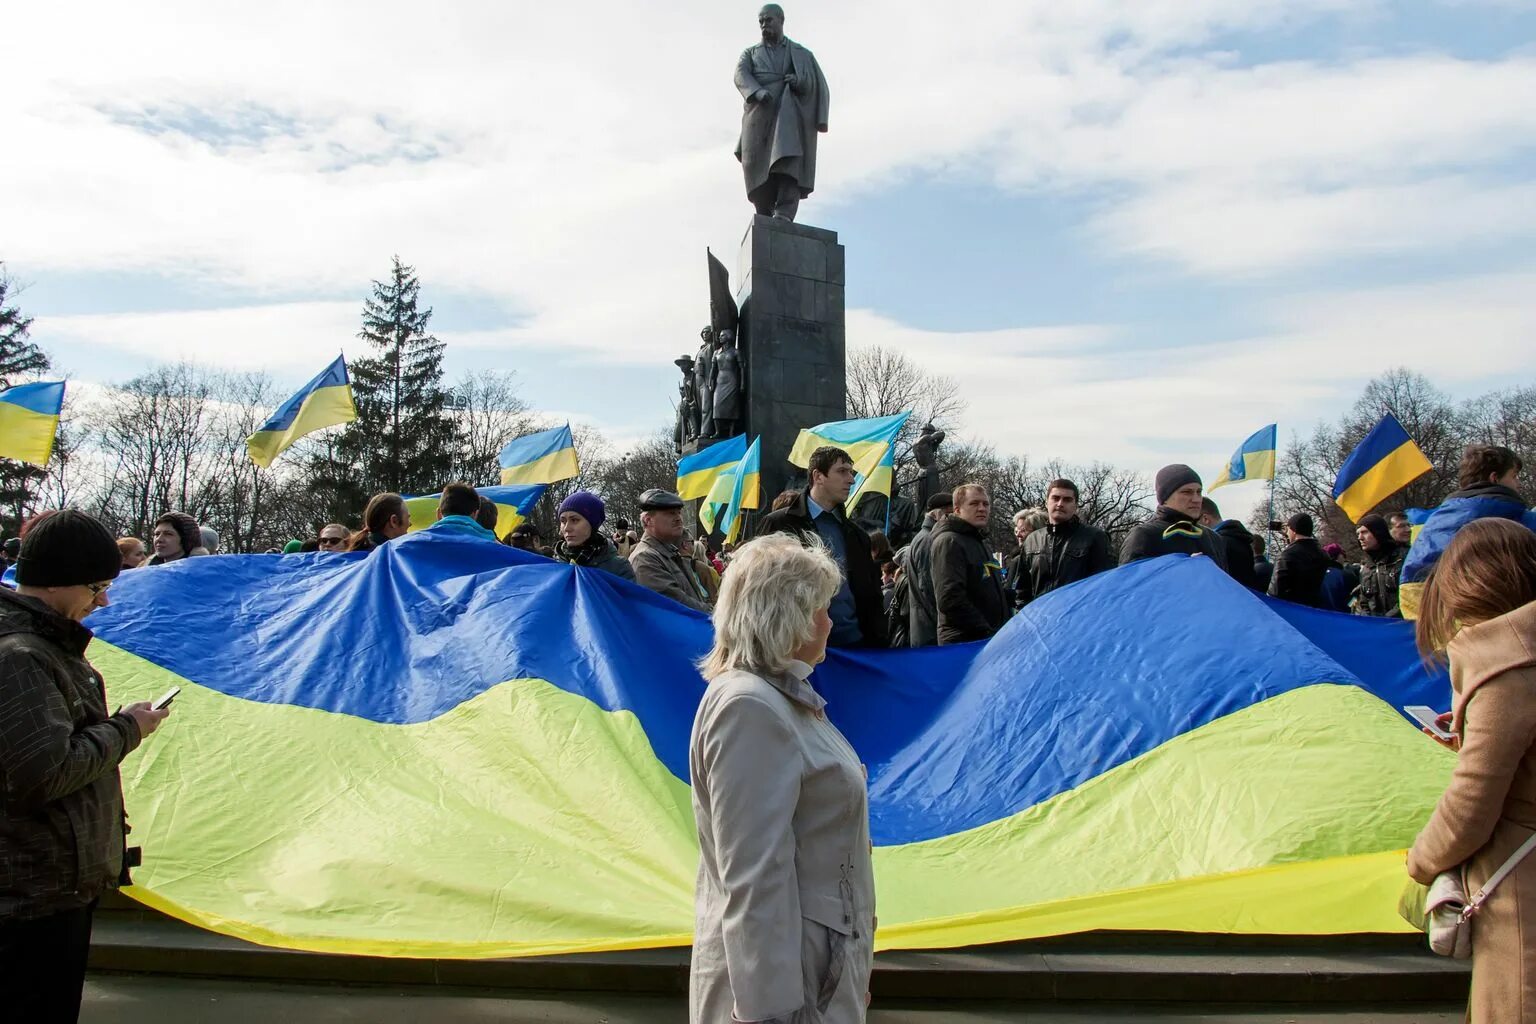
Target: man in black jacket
{"type": "Point", "coordinates": [858, 610]}
{"type": "Point", "coordinates": [1174, 528]}
{"type": "Point", "coordinates": [61, 802]}
{"type": "Point", "coordinates": [923, 614]}
{"type": "Point", "coordinates": [1300, 569]}
{"type": "Point", "coordinates": [1064, 551]}
{"type": "Point", "coordinates": [967, 580]}
{"type": "Point", "coordinates": [1380, 571]}
{"type": "Point", "coordinates": [1236, 541]}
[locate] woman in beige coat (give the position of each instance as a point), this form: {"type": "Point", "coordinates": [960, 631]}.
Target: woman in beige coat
{"type": "Point", "coordinates": [785, 900]}
{"type": "Point", "coordinates": [1478, 608]}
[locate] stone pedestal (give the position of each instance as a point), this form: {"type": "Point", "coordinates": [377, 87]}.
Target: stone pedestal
{"type": "Point", "coordinates": [791, 338]}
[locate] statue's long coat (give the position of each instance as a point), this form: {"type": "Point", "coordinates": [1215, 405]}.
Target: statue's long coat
{"type": "Point", "coordinates": [779, 135]}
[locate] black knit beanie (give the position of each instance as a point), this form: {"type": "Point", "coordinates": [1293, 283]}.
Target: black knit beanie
{"type": "Point", "coordinates": [66, 549]}
{"type": "Point", "coordinates": [1171, 478]}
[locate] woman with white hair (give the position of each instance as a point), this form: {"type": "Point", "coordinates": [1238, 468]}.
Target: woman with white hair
{"type": "Point", "coordinates": [785, 900]}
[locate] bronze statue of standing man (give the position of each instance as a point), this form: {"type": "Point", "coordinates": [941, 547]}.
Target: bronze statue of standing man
{"type": "Point", "coordinates": [787, 104]}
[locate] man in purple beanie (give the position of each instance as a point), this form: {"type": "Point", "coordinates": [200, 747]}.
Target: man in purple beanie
{"type": "Point", "coordinates": [581, 536]}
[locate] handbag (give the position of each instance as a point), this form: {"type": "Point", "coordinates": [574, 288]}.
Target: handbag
{"type": "Point", "coordinates": [1447, 912]}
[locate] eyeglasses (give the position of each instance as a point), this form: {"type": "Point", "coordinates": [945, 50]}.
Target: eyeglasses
{"type": "Point", "coordinates": [327, 542]}
{"type": "Point", "coordinates": [97, 589]}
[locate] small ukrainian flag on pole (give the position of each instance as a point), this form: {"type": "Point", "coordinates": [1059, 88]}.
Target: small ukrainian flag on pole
{"type": "Point", "coordinates": [29, 421]}
{"type": "Point", "coordinates": [1253, 460]}
{"type": "Point", "coordinates": [323, 402]}
{"type": "Point", "coordinates": [543, 458]}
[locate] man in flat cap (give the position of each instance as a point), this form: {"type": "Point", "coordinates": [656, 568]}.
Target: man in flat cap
{"type": "Point", "coordinates": [657, 562]}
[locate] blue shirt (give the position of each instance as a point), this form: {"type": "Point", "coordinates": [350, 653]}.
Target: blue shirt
{"type": "Point", "coordinates": [463, 526]}
{"type": "Point", "coordinates": [843, 612]}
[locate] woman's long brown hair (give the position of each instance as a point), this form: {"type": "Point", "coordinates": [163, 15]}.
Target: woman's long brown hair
{"type": "Point", "coordinates": [1488, 570]}
{"type": "Point", "coordinates": [381, 508]}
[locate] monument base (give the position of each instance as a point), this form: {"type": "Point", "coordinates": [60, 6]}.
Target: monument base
{"type": "Point", "coordinates": [791, 338]}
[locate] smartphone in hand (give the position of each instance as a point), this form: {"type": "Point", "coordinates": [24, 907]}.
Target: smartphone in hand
{"type": "Point", "coordinates": [164, 700]}
{"type": "Point", "coordinates": [1429, 718]}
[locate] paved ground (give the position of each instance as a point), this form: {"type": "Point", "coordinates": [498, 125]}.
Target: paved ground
{"type": "Point", "coordinates": [148, 999]}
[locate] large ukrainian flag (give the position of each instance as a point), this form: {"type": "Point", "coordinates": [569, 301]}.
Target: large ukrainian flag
{"type": "Point", "coordinates": [697, 474]}
{"type": "Point", "coordinates": [513, 504]}
{"type": "Point", "coordinates": [734, 492]}
{"type": "Point", "coordinates": [543, 458]}
{"type": "Point", "coordinates": [29, 421]}
{"type": "Point", "coordinates": [1253, 460]}
{"type": "Point", "coordinates": [870, 443]}
{"type": "Point", "coordinates": [467, 750]}
{"type": "Point", "coordinates": [1383, 463]}
{"type": "Point", "coordinates": [323, 402]}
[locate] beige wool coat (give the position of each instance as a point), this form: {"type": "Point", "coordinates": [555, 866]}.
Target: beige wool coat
{"type": "Point", "coordinates": [1489, 809]}
{"type": "Point", "coordinates": [785, 899]}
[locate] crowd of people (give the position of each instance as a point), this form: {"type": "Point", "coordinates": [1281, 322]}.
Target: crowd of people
{"type": "Point", "coordinates": [810, 579]}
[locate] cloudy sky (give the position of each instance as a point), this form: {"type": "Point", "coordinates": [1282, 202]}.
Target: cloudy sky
{"type": "Point", "coordinates": [1134, 231]}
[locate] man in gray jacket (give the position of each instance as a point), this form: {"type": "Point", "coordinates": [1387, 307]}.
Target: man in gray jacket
{"type": "Point", "coordinates": [61, 802]}
{"type": "Point", "coordinates": [923, 624]}
{"type": "Point", "coordinates": [657, 562]}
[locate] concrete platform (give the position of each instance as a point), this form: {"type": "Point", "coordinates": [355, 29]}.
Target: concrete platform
{"type": "Point", "coordinates": [137, 999]}
{"type": "Point", "coordinates": [1102, 967]}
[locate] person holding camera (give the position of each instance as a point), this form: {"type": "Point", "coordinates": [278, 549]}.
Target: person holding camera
{"type": "Point", "coordinates": [1300, 569]}
{"type": "Point", "coordinates": [61, 802]}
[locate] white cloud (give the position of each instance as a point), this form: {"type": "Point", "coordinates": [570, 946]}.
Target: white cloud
{"type": "Point", "coordinates": [580, 159]}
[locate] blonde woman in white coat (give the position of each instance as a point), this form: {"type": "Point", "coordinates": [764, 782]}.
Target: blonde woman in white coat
{"type": "Point", "coordinates": [785, 900]}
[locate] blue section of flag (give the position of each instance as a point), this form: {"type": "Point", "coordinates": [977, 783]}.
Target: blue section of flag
{"type": "Point", "coordinates": [46, 398]}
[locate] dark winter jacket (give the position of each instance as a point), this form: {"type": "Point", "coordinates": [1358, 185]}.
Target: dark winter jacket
{"type": "Point", "coordinates": [61, 818]}
{"type": "Point", "coordinates": [1056, 555]}
{"type": "Point", "coordinates": [863, 576]}
{"type": "Point", "coordinates": [1238, 543]}
{"type": "Point", "coordinates": [1379, 574]}
{"type": "Point", "coordinates": [898, 615]}
{"type": "Point", "coordinates": [1299, 573]}
{"type": "Point", "coordinates": [1169, 532]}
{"type": "Point", "coordinates": [967, 583]}
{"type": "Point", "coordinates": [923, 616]}
{"type": "Point", "coordinates": [1263, 571]}
{"type": "Point", "coordinates": [597, 553]}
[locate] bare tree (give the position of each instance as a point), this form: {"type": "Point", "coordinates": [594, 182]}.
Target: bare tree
{"type": "Point", "coordinates": [487, 412]}
{"type": "Point", "coordinates": [883, 382]}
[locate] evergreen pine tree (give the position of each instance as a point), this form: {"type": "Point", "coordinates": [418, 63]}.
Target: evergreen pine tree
{"type": "Point", "coordinates": [403, 439]}
{"type": "Point", "coordinates": [19, 358]}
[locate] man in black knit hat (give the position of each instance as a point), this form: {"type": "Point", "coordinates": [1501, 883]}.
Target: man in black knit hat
{"type": "Point", "coordinates": [1380, 571]}
{"type": "Point", "coordinates": [61, 802]}
{"type": "Point", "coordinates": [1300, 569]}
{"type": "Point", "coordinates": [1174, 528]}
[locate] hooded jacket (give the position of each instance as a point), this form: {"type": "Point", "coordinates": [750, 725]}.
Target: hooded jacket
{"type": "Point", "coordinates": [61, 802]}
{"type": "Point", "coordinates": [1481, 501]}
{"type": "Point", "coordinates": [922, 613]}
{"type": "Point", "coordinates": [1489, 808]}
{"type": "Point", "coordinates": [1058, 554]}
{"type": "Point", "coordinates": [967, 584]}
{"type": "Point", "coordinates": [1170, 532]}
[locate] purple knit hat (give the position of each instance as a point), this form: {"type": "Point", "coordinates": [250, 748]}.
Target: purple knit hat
{"type": "Point", "coordinates": [587, 505]}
